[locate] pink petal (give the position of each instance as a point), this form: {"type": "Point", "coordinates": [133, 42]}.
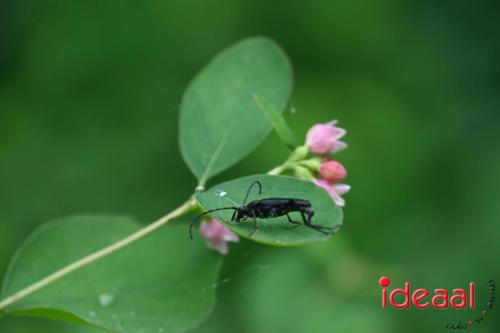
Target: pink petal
{"type": "Point", "coordinates": [337, 146]}
{"type": "Point", "coordinates": [324, 184]}
{"type": "Point", "coordinates": [342, 188]}
{"type": "Point", "coordinates": [217, 235]}
{"type": "Point", "coordinates": [335, 191]}
{"type": "Point", "coordinates": [337, 131]}
{"type": "Point", "coordinates": [337, 199]}
{"type": "Point", "coordinates": [324, 138]}
{"type": "Point", "coordinates": [220, 247]}
{"type": "Point", "coordinates": [212, 230]}
{"type": "Point", "coordinates": [319, 138]}
{"type": "Point", "coordinates": [230, 236]}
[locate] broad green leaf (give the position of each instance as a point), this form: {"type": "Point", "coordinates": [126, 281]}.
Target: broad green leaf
{"type": "Point", "coordinates": [219, 121]}
{"type": "Point", "coordinates": [161, 283]}
{"type": "Point", "coordinates": [274, 231]}
{"type": "Point", "coordinates": [277, 120]}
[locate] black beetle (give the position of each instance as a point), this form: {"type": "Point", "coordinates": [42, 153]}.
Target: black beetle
{"type": "Point", "coordinates": [269, 208]}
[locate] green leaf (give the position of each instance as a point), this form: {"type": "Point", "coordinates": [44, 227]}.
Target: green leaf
{"type": "Point", "coordinates": [277, 120]}
{"type": "Point", "coordinates": [161, 283]}
{"type": "Point", "coordinates": [219, 121]}
{"type": "Point", "coordinates": [275, 231]}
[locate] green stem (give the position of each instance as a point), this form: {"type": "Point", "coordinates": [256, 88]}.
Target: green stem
{"type": "Point", "coordinates": [181, 210]}
{"type": "Point", "coordinates": [293, 158]}
{"type": "Point", "coordinates": [277, 170]}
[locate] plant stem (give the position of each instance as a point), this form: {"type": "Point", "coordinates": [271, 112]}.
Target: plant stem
{"type": "Point", "coordinates": [184, 208]}
{"type": "Point", "coordinates": [295, 157]}
{"type": "Point", "coordinates": [282, 167]}
{"type": "Point", "coordinates": [277, 170]}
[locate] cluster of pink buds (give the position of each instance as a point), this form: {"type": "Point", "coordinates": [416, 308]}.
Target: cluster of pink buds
{"type": "Point", "coordinates": [323, 139]}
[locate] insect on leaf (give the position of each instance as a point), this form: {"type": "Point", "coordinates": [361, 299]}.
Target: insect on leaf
{"type": "Point", "coordinates": [273, 231]}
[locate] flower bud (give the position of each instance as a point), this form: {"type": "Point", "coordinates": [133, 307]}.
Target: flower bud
{"type": "Point", "coordinates": [325, 138]}
{"type": "Point", "coordinates": [312, 164]}
{"type": "Point", "coordinates": [300, 153]}
{"type": "Point", "coordinates": [217, 235]}
{"type": "Point", "coordinates": [332, 171]}
{"type": "Point", "coordinates": [303, 173]}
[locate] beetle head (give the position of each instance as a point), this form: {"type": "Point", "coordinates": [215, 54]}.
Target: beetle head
{"type": "Point", "coordinates": [240, 214]}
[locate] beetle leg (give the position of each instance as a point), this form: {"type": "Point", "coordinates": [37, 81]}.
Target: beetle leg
{"type": "Point", "coordinates": [292, 221]}
{"type": "Point", "coordinates": [320, 228]}
{"type": "Point", "coordinates": [254, 225]}
{"type": "Point", "coordinates": [306, 220]}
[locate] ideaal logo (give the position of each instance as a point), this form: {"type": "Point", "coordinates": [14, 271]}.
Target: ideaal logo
{"type": "Point", "coordinates": [421, 298]}
{"type": "Point", "coordinates": [460, 298]}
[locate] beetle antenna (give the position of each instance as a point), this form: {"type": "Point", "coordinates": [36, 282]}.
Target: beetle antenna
{"type": "Point", "coordinates": [202, 214]}
{"type": "Point", "coordinates": [248, 191]}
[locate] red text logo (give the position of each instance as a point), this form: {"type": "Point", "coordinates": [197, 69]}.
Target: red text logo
{"type": "Point", "coordinates": [421, 298]}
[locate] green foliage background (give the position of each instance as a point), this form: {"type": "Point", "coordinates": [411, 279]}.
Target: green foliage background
{"type": "Point", "coordinates": [89, 99]}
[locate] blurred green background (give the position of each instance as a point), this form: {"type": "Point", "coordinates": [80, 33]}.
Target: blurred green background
{"type": "Point", "coordinates": [89, 96]}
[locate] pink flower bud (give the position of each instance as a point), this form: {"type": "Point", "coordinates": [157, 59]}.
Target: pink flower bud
{"type": "Point", "coordinates": [217, 235]}
{"type": "Point", "coordinates": [335, 191]}
{"type": "Point", "coordinates": [332, 171]}
{"type": "Point", "coordinates": [324, 138]}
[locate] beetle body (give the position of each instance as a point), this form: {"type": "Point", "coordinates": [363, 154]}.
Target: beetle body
{"type": "Point", "coordinates": [274, 207]}
{"type": "Point", "coordinates": [270, 208]}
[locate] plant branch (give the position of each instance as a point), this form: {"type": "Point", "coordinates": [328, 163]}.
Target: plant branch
{"type": "Point", "coordinates": [184, 208]}
{"type": "Point", "coordinates": [297, 155]}
{"type": "Point", "coordinates": [282, 167]}
{"type": "Point", "coordinates": [277, 170]}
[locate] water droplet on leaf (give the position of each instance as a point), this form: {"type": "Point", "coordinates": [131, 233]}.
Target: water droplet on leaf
{"type": "Point", "coordinates": [221, 193]}
{"type": "Point", "coordinates": [106, 299]}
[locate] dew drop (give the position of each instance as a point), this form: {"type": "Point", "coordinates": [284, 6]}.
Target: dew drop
{"type": "Point", "coordinates": [92, 314]}
{"type": "Point", "coordinates": [106, 299]}
{"type": "Point", "coordinates": [220, 193]}
{"type": "Point", "coordinates": [160, 329]}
